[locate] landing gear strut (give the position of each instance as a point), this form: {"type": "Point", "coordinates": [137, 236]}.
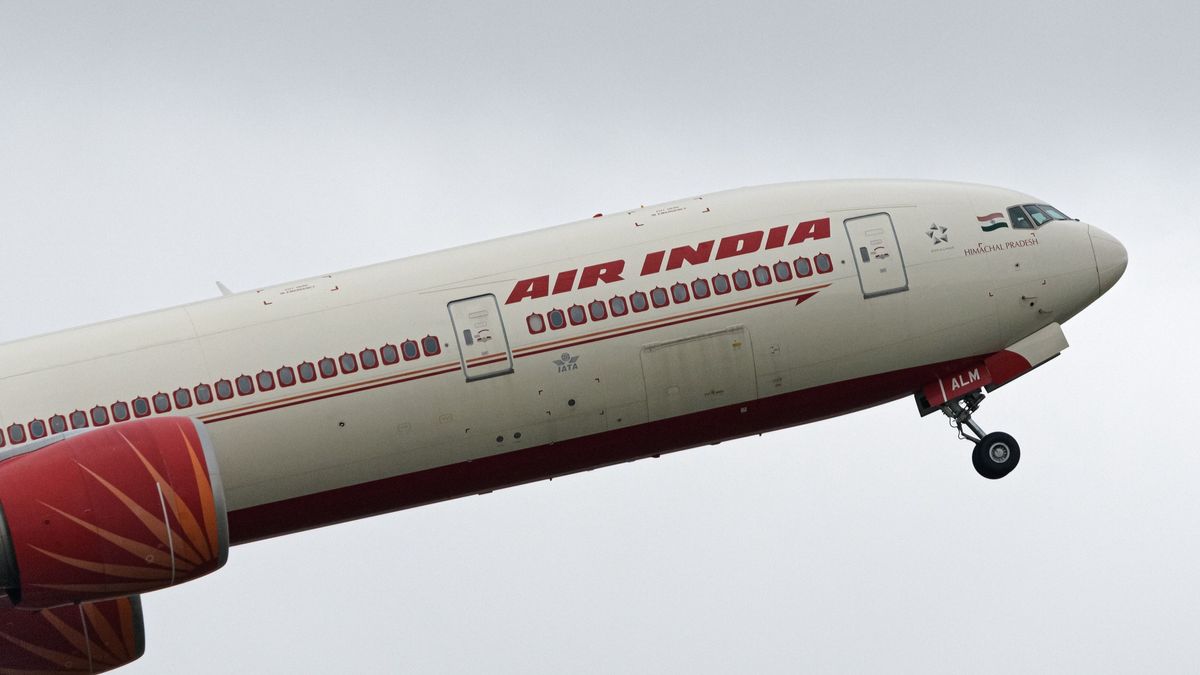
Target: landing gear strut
{"type": "Point", "coordinates": [996, 454]}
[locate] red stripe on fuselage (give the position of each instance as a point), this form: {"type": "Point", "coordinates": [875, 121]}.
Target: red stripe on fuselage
{"type": "Point", "coordinates": [800, 295]}
{"type": "Point", "coordinates": [541, 349]}
{"type": "Point", "coordinates": [703, 313]}
{"type": "Point", "coordinates": [580, 454]}
{"type": "Point", "coordinates": [329, 393]}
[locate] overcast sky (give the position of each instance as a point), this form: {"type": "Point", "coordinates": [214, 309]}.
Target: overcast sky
{"type": "Point", "coordinates": [150, 149]}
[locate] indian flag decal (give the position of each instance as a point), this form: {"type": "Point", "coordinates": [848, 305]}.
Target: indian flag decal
{"type": "Point", "coordinates": [991, 222]}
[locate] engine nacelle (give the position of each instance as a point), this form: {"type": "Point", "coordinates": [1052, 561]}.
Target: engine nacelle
{"type": "Point", "coordinates": [110, 512]}
{"type": "Point", "coordinates": [93, 637]}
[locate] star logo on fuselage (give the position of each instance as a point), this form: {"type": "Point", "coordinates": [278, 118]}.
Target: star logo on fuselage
{"type": "Point", "coordinates": [938, 234]}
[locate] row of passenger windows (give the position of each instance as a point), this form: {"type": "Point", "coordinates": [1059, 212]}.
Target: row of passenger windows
{"type": "Point", "coordinates": [679, 293]}
{"type": "Point", "coordinates": [222, 390]}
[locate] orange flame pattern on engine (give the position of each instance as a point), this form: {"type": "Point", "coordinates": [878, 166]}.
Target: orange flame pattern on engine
{"type": "Point", "coordinates": [191, 540]}
{"type": "Point", "coordinates": [92, 637]}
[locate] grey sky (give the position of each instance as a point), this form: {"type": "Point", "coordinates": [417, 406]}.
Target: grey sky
{"type": "Point", "coordinates": [149, 149]}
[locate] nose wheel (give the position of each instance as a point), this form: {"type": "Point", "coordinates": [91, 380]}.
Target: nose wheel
{"type": "Point", "coordinates": [995, 454]}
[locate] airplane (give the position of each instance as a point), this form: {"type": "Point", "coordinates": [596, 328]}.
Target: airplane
{"type": "Point", "coordinates": [134, 453]}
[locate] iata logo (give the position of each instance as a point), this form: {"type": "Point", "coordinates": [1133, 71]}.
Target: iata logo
{"type": "Point", "coordinates": [566, 363]}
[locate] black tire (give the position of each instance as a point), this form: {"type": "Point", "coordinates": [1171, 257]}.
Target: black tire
{"type": "Point", "coordinates": [996, 455]}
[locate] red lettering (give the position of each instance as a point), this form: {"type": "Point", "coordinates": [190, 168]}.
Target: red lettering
{"type": "Point", "coordinates": [692, 256]}
{"type": "Point", "coordinates": [537, 287]}
{"type": "Point", "coordinates": [739, 244]}
{"type": "Point", "coordinates": [653, 263]}
{"type": "Point", "coordinates": [811, 229]}
{"type": "Point", "coordinates": [609, 272]}
{"type": "Point", "coordinates": [776, 236]}
{"type": "Point", "coordinates": [733, 245]}
{"type": "Point", "coordinates": [565, 281]}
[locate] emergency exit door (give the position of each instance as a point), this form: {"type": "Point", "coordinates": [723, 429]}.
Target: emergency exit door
{"type": "Point", "coordinates": [877, 255]}
{"type": "Point", "coordinates": [482, 343]}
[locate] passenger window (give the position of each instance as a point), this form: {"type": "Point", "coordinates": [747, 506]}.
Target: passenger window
{"type": "Point", "coordinates": [79, 419]}
{"type": "Point", "coordinates": [308, 372]}
{"type": "Point", "coordinates": [557, 319]}
{"type": "Point", "coordinates": [1019, 220]}
{"type": "Point", "coordinates": [327, 367]}
{"type": "Point", "coordinates": [204, 394]}
{"type": "Point", "coordinates": [679, 293]}
{"type": "Point", "coordinates": [58, 424]}
{"type": "Point", "coordinates": [741, 280]}
{"type": "Point", "coordinates": [120, 411]}
{"type": "Point", "coordinates": [721, 284]}
{"type": "Point", "coordinates": [266, 381]}
{"type": "Point", "coordinates": [348, 363]}
{"type": "Point", "coordinates": [37, 429]}
{"type": "Point", "coordinates": [824, 263]}
{"type": "Point", "coordinates": [224, 391]}
{"type": "Point", "coordinates": [658, 297]}
{"type": "Point", "coordinates": [16, 434]}
{"type": "Point", "coordinates": [783, 271]}
{"type": "Point", "coordinates": [575, 313]}
{"type": "Point", "coordinates": [287, 376]}
{"type": "Point", "coordinates": [637, 300]}
{"type": "Point", "coordinates": [369, 359]}
{"type": "Point", "coordinates": [141, 406]}
{"type": "Point", "coordinates": [245, 385]}
{"type": "Point", "coordinates": [536, 323]}
{"type": "Point", "coordinates": [183, 398]}
{"type": "Point", "coordinates": [162, 403]}
{"type": "Point", "coordinates": [598, 310]}
{"type": "Point", "coordinates": [409, 349]}
{"type": "Point", "coordinates": [390, 354]}
{"type": "Point", "coordinates": [762, 275]}
{"type": "Point", "coordinates": [700, 289]}
{"type": "Point", "coordinates": [803, 267]}
{"type": "Point", "coordinates": [619, 306]}
{"type": "Point", "coordinates": [99, 416]}
{"type": "Point", "coordinates": [431, 345]}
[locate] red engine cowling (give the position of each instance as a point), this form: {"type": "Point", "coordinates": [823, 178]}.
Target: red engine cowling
{"type": "Point", "coordinates": [110, 512]}
{"type": "Point", "coordinates": [93, 637]}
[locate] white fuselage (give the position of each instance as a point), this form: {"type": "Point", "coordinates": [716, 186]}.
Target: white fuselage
{"type": "Point", "coordinates": [587, 394]}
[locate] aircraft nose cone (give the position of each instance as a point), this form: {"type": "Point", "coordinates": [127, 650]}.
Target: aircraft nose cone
{"type": "Point", "coordinates": [1111, 257]}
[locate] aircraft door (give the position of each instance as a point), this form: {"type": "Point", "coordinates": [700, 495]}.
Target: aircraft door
{"type": "Point", "coordinates": [482, 343]}
{"type": "Point", "coordinates": [877, 254]}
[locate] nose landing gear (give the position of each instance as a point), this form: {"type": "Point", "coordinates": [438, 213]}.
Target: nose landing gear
{"type": "Point", "coordinates": [995, 454]}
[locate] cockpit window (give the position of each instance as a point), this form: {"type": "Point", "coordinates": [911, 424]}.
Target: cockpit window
{"type": "Point", "coordinates": [1054, 213]}
{"type": "Point", "coordinates": [1020, 221]}
{"type": "Point", "coordinates": [1033, 216]}
{"type": "Point", "coordinates": [1039, 216]}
